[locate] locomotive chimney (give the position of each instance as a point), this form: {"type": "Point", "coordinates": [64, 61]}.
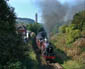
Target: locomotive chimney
{"type": "Point", "coordinates": [36, 18]}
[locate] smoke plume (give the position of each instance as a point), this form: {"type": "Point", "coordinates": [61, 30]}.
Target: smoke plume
{"type": "Point", "coordinates": [55, 13]}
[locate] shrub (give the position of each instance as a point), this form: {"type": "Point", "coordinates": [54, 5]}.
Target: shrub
{"type": "Point", "coordinates": [30, 61]}
{"type": "Point", "coordinates": [16, 65]}
{"type": "Point", "coordinates": [72, 34]}
{"type": "Point", "coordinates": [72, 65]}
{"type": "Point", "coordinates": [70, 28]}
{"type": "Point", "coordinates": [79, 20]}
{"type": "Point", "coordinates": [62, 29]}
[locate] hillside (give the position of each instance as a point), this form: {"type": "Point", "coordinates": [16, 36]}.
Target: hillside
{"type": "Point", "coordinates": [24, 21]}
{"type": "Point", "coordinates": [71, 40]}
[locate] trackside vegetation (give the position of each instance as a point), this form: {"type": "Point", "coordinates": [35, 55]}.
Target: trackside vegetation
{"type": "Point", "coordinates": [71, 40]}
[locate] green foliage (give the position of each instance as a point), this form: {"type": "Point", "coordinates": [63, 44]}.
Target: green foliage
{"type": "Point", "coordinates": [79, 20]}
{"type": "Point", "coordinates": [71, 32]}
{"type": "Point", "coordinates": [72, 65]}
{"type": "Point", "coordinates": [69, 41]}
{"type": "Point", "coordinates": [34, 27]}
{"type": "Point", "coordinates": [30, 61]}
{"type": "Point", "coordinates": [7, 18]}
{"type": "Point", "coordinates": [11, 45]}
{"type": "Point", "coordinates": [72, 35]}
{"type": "Point", "coordinates": [16, 65]}
{"type": "Point", "coordinates": [10, 49]}
{"type": "Point", "coordinates": [62, 29]}
{"type": "Point", "coordinates": [70, 28]}
{"type": "Point", "coordinates": [78, 24]}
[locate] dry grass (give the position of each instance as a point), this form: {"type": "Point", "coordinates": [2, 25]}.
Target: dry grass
{"type": "Point", "coordinates": [80, 42]}
{"type": "Point", "coordinates": [83, 34]}
{"type": "Point", "coordinates": [73, 52]}
{"type": "Point", "coordinates": [72, 65]}
{"type": "Point", "coordinates": [82, 58]}
{"type": "Point", "coordinates": [76, 51]}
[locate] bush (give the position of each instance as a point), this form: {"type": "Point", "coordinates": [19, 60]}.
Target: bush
{"type": "Point", "coordinates": [30, 61]}
{"type": "Point", "coordinates": [10, 48]}
{"type": "Point", "coordinates": [72, 34]}
{"type": "Point", "coordinates": [62, 29]}
{"type": "Point", "coordinates": [72, 65]}
{"type": "Point", "coordinates": [16, 65]}
{"type": "Point", "coordinates": [70, 28]}
{"type": "Point", "coordinates": [79, 20]}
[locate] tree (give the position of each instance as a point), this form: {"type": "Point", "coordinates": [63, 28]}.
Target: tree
{"type": "Point", "coordinates": [34, 27]}
{"type": "Point", "coordinates": [79, 20]}
{"type": "Point", "coordinates": [10, 43]}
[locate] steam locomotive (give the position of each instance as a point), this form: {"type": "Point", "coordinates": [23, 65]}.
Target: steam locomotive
{"type": "Point", "coordinates": [45, 46]}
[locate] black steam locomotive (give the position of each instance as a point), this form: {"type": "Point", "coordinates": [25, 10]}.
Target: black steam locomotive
{"type": "Point", "coordinates": [45, 46]}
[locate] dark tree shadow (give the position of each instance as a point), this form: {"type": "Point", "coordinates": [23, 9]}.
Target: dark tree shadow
{"type": "Point", "coordinates": [28, 63]}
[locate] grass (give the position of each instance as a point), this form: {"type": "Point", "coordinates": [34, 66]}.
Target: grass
{"type": "Point", "coordinates": [72, 65]}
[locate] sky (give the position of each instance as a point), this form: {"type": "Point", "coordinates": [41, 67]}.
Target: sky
{"type": "Point", "coordinates": [28, 8]}
{"type": "Point", "coordinates": [24, 8]}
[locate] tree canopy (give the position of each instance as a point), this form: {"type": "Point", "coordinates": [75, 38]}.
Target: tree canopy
{"type": "Point", "coordinates": [10, 43]}
{"type": "Point", "coordinates": [79, 20]}
{"type": "Point", "coordinates": [36, 27]}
